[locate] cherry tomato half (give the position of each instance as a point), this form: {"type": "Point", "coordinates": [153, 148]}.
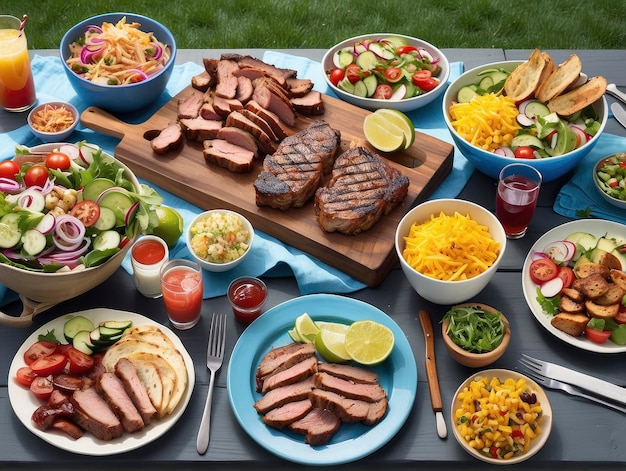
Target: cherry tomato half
{"type": "Point", "coordinates": [525, 152]}
{"type": "Point", "coordinates": [8, 169]}
{"type": "Point", "coordinates": [49, 365]}
{"type": "Point", "coordinates": [38, 350]}
{"type": "Point", "coordinates": [86, 211]}
{"type": "Point", "coordinates": [383, 92]}
{"type": "Point", "coordinates": [79, 362]}
{"type": "Point", "coordinates": [37, 175]}
{"type": "Point", "coordinates": [567, 275]}
{"type": "Point", "coordinates": [405, 49]}
{"type": "Point", "coordinates": [25, 376]}
{"type": "Point", "coordinates": [597, 336]}
{"type": "Point", "coordinates": [336, 76]}
{"type": "Point", "coordinates": [424, 80]}
{"type": "Point", "coordinates": [353, 73]}
{"type": "Point", "coordinates": [542, 270]}
{"type": "Point", "coordinates": [42, 387]}
{"type": "Point", "coordinates": [393, 74]}
{"type": "Point", "coordinates": [58, 161]}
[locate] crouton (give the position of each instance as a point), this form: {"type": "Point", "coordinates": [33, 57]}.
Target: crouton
{"type": "Point", "coordinates": [614, 295]}
{"type": "Point", "coordinates": [574, 294]}
{"type": "Point", "coordinates": [586, 269]}
{"type": "Point", "coordinates": [619, 278]}
{"type": "Point", "coordinates": [594, 285]}
{"type": "Point", "coordinates": [599, 311]}
{"type": "Point", "coordinates": [572, 324]}
{"type": "Point", "coordinates": [571, 306]}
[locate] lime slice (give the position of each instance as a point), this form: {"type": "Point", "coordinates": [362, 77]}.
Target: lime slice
{"type": "Point", "coordinates": [332, 326]}
{"type": "Point", "coordinates": [332, 346]}
{"type": "Point", "coordinates": [402, 121]}
{"type": "Point", "coordinates": [294, 336]}
{"type": "Point", "coordinates": [382, 133]}
{"type": "Point", "coordinates": [306, 328]}
{"type": "Point", "coordinates": [368, 342]}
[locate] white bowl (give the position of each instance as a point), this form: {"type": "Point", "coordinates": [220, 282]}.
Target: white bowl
{"type": "Point", "coordinates": [545, 422]}
{"type": "Point", "coordinates": [59, 136]}
{"type": "Point", "coordinates": [220, 267]}
{"type": "Point", "coordinates": [448, 292]}
{"type": "Point", "coordinates": [409, 104]}
{"type": "Point", "coordinates": [621, 156]}
{"type": "Point", "coordinates": [489, 163]}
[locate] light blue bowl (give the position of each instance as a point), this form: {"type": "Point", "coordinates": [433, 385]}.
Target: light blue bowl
{"type": "Point", "coordinates": [120, 98]}
{"type": "Point", "coordinates": [489, 163]}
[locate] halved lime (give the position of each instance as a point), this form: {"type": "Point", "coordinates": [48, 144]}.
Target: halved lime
{"type": "Point", "coordinates": [402, 121]}
{"type": "Point", "coordinates": [369, 342]}
{"type": "Point", "coordinates": [383, 134]}
{"type": "Point", "coordinates": [306, 328]}
{"type": "Point", "coordinates": [332, 326]}
{"type": "Point", "coordinates": [332, 346]}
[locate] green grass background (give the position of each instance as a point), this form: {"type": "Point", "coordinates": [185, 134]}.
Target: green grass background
{"type": "Point", "coordinates": [275, 24]}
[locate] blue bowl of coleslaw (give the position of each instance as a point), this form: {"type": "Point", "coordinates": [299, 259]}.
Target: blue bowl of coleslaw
{"type": "Point", "coordinates": [114, 85]}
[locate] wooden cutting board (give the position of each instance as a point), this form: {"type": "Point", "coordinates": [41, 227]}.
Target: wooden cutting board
{"type": "Point", "coordinates": [368, 256]}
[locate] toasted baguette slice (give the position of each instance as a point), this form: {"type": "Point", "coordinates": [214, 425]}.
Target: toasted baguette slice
{"type": "Point", "coordinates": [585, 269]}
{"type": "Point", "coordinates": [564, 75]}
{"type": "Point", "coordinates": [573, 294]}
{"type": "Point", "coordinates": [572, 324]}
{"type": "Point", "coordinates": [523, 81]}
{"type": "Point", "coordinates": [619, 278]}
{"type": "Point", "coordinates": [570, 305]}
{"type": "Point", "coordinates": [548, 68]}
{"type": "Point", "coordinates": [601, 312]}
{"type": "Point", "coordinates": [593, 285]}
{"type": "Point", "coordinates": [571, 102]}
{"type": "Point", "coordinates": [614, 295]}
{"type": "Point", "coordinates": [150, 377]}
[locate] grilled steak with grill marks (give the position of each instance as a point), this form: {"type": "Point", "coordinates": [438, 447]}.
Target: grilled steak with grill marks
{"type": "Point", "coordinates": [362, 188]}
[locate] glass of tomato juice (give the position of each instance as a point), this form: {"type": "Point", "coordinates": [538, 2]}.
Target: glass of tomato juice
{"type": "Point", "coordinates": [181, 285]}
{"type": "Point", "coordinates": [17, 88]}
{"type": "Point", "coordinates": [518, 190]}
{"type": "Point", "coordinates": [147, 256]}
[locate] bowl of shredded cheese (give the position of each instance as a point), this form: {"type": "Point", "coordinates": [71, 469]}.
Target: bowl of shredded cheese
{"type": "Point", "coordinates": [501, 416]}
{"type": "Point", "coordinates": [486, 122]}
{"type": "Point", "coordinates": [53, 121]}
{"type": "Point", "coordinates": [120, 62]}
{"type": "Point", "coordinates": [449, 249]}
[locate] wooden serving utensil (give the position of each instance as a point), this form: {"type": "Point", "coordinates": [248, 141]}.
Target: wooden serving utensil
{"type": "Point", "coordinates": [431, 372]}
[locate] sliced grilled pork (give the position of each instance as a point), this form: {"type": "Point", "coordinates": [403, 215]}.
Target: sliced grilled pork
{"type": "Point", "coordinates": [271, 118]}
{"type": "Point", "coordinates": [189, 107]}
{"type": "Point", "coordinates": [199, 129]}
{"type": "Point", "coordinates": [293, 374]}
{"type": "Point", "coordinates": [240, 138]}
{"type": "Point", "coordinates": [293, 173]}
{"type": "Point", "coordinates": [254, 73]}
{"type": "Point", "coordinates": [345, 388]}
{"type": "Point", "coordinates": [282, 416]}
{"type": "Point", "coordinates": [299, 87]}
{"type": "Point", "coordinates": [284, 395]}
{"type": "Point", "coordinates": [230, 156]}
{"type": "Point", "coordinates": [274, 87]}
{"type": "Point", "coordinates": [92, 413]}
{"type": "Point", "coordinates": [207, 111]}
{"type": "Point", "coordinates": [225, 106]}
{"type": "Point", "coordinates": [318, 426]}
{"type": "Point", "coordinates": [170, 138]}
{"type": "Point", "coordinates": [249, 61]}
{"type": "Point", "coordinates": [238, 120]}
{"type": "Point", "coordinates": [309, 104]}
{"type": "Point", "coordinates": [260, 122]}
{"type": "Point", "coordinates": [127, 372]}
{"type": "Point", "coordinates": [226, 82]}
{"type": "Point", "coordinates": [244, 89]}
{"type": "Point", "coordinates": [113, 392]}
{"type": "Point", "coordinates": [202, 81]}
{"type": "Point", "coordinates": [281, 358]}
{"type": "Point", "coordinates": [348, 410]}
{"type": "Point", "coordinates": [275, 103]}
{"type": "Point", "coordinates": [351, 373]}
{"type": "Point", "coordinates": [362, 188]}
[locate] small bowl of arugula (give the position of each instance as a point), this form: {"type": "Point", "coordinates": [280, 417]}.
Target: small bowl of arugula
{"type": "Point", "coordinates": [475, 335]}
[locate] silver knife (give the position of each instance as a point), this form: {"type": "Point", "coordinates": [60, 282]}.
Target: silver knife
{"type": "Point", "coordinates": [619, 113]}
{"type": "Point", "coordinates": [584, 381]}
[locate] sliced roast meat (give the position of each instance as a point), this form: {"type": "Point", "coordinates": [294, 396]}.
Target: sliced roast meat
{"type": "Point", "coordinates": [240, 138]}
{"type": "Point", "coordinates": [170, 138]}
{"type": "Point", "coordinates": [254, 73]}
{"type": "Point", "coordinates": [260, 122]}
{"type": "Point", "coordinates": [362, 188]}
{"type": "Point", "coordinates": [348, 410]}
{"type": "Point", "coordinates": [189, 107]}
{"type": "Point", "coordinates": [249, 61]}
{"type": "Point", "coordinates": [318, 426]}
{"type": "Point", "coordinates": [210, 66]}
{"type": "Point", "coordinates": [68, 428]}
{"type": "Point", "coordinates": [226, 86]}
{"type": "Point", "coordinates": [202, 81]}
{"type": "Point", "coordinates": [294, 374]}
{"type": "Point", "coordinates": [284, 415]}
{"type": "Point", "coordinates": [238, 120]}
{"type": "Point", "coordinates": [274, 87]}
{"type": "Point", "coordinates": [280, 130]}
{"type": "Point", "coordinates": [200, 129]}
{"type": "Point", "coordinates": [207, 111]}
{"type": "Point", "coordinates": [299, 87]}
{"type": "Point", "coordinates": [93, 414]}
{"type": "Point", "coordinates": [127, 372]}
{"type": "Point", "coordinates": [309, 104]}
{"type": "Point", "coordinates": [376, 412]}
{"type": "Point", "coordinates": [283, 395]}
{"type": "Point", "coordinates": [224, 106]}
{"type": "Point", "coordinates": [275, 103]}
{"type": "Point", "coordinates": [355, 374]}
{"type": "Point", "coordinates": [283, 357]}
{"type": "Point", "coordinates": [229, 156]}
{"type": "Point", "coordinates": [345, 388]}
{"type": "Point", "coordinates": [244, 89]}
{"type": "Point", "coordinates": [114, 393]}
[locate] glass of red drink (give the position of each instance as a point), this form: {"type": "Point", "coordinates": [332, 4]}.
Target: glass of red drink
{"type": "Point", "coordinates": [247, 296]}
{"type": "Point", "coordinates": [181, 285]}
{"type": "Point", "coordinates": [147, 257]}
{"type": "Point", "coordinates": [518, 190]}
{"type": "Point", "coordinates": [17, 88]}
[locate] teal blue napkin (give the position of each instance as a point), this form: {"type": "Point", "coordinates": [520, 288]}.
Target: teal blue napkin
{"type": "Point", "coordinates": [580, 192]}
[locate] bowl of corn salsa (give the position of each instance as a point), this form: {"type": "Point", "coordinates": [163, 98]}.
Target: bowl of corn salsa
{"type": "Point", "coordinates": [219, 239]}
{"type": "Point", "coordinates": [501, 416]}
{"type": "Point", "coordinates": [485, 131]}
{"type": "Point", "coordinates": [449, 249]}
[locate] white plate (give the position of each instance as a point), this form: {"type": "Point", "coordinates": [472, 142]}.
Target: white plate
{"type": "Point", "coordinates": [24, 402]}
{"type": "Point", "coordinates": [597, 227]}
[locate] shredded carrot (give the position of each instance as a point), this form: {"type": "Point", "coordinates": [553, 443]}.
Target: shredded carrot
{"type": "Point", "coordinates": [450, 248]}
{"type": "Point", "coordinates": [487, 121]}
{"type": "Point", "coordinates": [52, 119]}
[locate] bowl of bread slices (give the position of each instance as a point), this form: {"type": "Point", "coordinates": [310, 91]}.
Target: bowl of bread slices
{"type": "Point", "coordinates": [550, 115]}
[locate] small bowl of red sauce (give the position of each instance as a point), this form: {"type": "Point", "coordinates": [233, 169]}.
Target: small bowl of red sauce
{"type": "Point", "coordinates": [247, 295]}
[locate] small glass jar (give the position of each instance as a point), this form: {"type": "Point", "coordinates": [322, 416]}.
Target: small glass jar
{"type": "Point", "coordinates": [247, 295]}
{"type": "Point", "coordinates": [147, 256]}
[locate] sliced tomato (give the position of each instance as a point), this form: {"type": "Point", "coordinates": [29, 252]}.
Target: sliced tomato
{"type": "Point", "coordinates": [8, 169]}
{"type": "Point", "coordinates": [38, 350]}
{"type": "Point", "coordinates": [567, 275]}
{"type": "Point", "coordinates": [383, 92]}
{"type": "Point", "coordinates": [25, 376]}
{"type": "Point", "coordinates": [58, 161]}
{"type": "Point", "coordinates": [49, 365]}
{"type": "Point", "coordinates": [424, 80]}
{"type": "Point", "coordinates": [393, 74]}
{"type": "Point", "coordinates": [86, 211]}
{"type": "Point", "coordinates": [597, 336]}
{"type": "Point", "coordinates": [353, 73]}
{"type": "Point", "coordinates": [524, 152]}
{"type": "Point", "coordinates": [542, 270]}
{"type": "Point", "coordinates": [42, 387]}
{"type": "Point", "coordinates": [79, 362]}
{"type": "Point", "coordinates": [336, 75]}
{"type": "Point", "coordinates": [406, 49]}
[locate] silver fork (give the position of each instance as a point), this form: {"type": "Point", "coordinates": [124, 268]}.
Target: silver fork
{"type": "Point", "coordinates": [214, 359]}
{"type": "Point", "coordinates": [569, 389]}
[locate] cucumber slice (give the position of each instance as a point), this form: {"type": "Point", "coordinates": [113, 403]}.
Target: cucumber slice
{"type": "Point", "coordinates": [95, 187]}
{"type": "Point", "coordinates": [106, 220]}
{"type": "Point", "coordinates": [75, 325]}
{"type": "Point", "coordinates": [526, 140]}
{"type": "Point", "coordinates": [33, 242]}
{"type": "Point", "coordinates": [367, 60]}
{"type": "Point", "coordinates": [360, 89]}
{"type": "Point", "coordinates": [536, 108]}
{"type": "Point", "coordinates": [82, 342]}
{"type": "Point", "coordinates": [10, 234]}
{"type": "Point", "coordinates": [498, 77]}
{"type": "Point", "coordinates": [466, 94]}
{"type": "Point", "coordinates": [584, 242]}
{"type": "Point", "coordinates": [345, 85]}
{"type": "Point", "coordinates": [118, 200]}
{"type": "Point", "coordinates": [107, 240]}
{"type": "Point", "coordinates": [486, 82]}
{"type": "Point", "coordinates": [344, 58]}
{"type": "Point", "coordinates": [606, 244]}
{"type": "Point", "coordinates": [371, 82]}
{"type": "Point", "coordinates": [118, 325]}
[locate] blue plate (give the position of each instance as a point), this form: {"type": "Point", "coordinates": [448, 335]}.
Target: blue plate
{"type": "Point", "coordinates": [398, 375]}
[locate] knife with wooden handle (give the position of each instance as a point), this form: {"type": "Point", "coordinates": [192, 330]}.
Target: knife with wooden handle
{"type": "Point", "coordinates": [431, 372]}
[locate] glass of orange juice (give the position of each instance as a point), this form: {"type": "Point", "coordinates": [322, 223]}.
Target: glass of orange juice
{"type": "Point", "coordinates": [17, 88]}
{"type": "Point", "coordinates": [181, 285]}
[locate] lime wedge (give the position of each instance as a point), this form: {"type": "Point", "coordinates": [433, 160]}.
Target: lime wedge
{"type": "Point", "coordinates": [332, 346]}
{"type": "Point", "coordinates": [402, 121]}
{"type": "Point", "coordinates": [306, 328]}
{"type": "Point", "coordinates": [382, 134]}
{"type": "Point", "coordinates": [332, 326]}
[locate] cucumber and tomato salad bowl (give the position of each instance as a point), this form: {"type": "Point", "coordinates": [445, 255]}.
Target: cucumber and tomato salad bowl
{"type": "Point", "coordinates": [68, 207]}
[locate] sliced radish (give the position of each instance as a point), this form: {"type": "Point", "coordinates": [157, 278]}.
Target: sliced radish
{"type": "Point", "coordinates": [47, 223]}
{"type": "Point", "coordinates": [524, 120]}
{"type": "Point", "coordinates": [130, 213]}
{"type": "Point", "coordinates": [504, 151]}
{"type": "Point", "coordinates": [71, 150]}
{"type": "Point", "coordinates": [399, 94]}
{"type": "Point", "coordinates": [87, 151]}
{"type": "Point", "coordinates": [552, 287]}
{"type": "Point", "coordinates": [583, 137]}
{"type": "Point", "coordinates": [522, 105]}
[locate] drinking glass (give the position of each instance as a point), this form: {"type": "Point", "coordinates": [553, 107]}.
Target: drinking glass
{"type": "Point", "coordinates": [518, 190]}
{"type": "Point", "coordinates": [181, 285]}
{"type": "Point", "coordinates": [147, 257]}
{"type": "Point", "coordinates": [17, 88]}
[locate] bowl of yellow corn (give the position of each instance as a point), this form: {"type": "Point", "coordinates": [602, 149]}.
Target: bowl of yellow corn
{"type": "Point", "coordinates": [501, 416]}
